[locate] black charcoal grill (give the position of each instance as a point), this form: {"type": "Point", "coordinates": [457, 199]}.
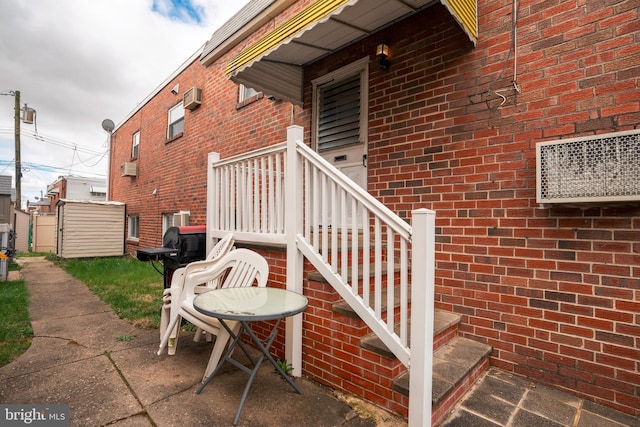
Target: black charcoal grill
{"type": "Point", "coordinates": [180, 246]}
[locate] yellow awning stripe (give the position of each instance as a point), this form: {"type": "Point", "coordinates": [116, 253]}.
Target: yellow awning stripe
{"type": "Point", "coordinates": [466, 12]}
{"type": "Point", "coordinates": [284, 31]}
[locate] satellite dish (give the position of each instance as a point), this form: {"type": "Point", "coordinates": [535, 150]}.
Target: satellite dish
{"type": "Point", "coordinates": [108, 125]}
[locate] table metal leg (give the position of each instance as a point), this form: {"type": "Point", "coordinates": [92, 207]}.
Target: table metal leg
{"type": "Point", "coordinates": [227, 356]}
{"type": "Point", "coordinates": [264, 348]}
{"type": "Point", "coordinates": [265, 353]}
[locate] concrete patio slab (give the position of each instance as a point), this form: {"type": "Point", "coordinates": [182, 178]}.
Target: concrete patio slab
{"type": "Point", "coordinates": [108, 372]}
{"type": "Point", "coordinates": [92, 388]}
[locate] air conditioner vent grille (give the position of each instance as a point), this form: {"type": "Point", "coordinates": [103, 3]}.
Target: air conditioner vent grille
{"type": "Point", "coordinates": [595, 169]}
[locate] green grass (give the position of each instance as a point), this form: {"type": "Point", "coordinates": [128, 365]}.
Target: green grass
{"type": "Point", "coordinates": [132, 288]}
{"type": "Point", "coordinates": [15, 328]}
{"type": "Point", "coordinates": [31, 254]}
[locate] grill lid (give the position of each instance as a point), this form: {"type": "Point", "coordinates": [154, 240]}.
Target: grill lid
{"type": "Point", "coordinates": [188, 241]}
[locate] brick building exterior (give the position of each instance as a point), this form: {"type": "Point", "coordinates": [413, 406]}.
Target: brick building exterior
{"type": "Point", "coordinates": [73, 188]}
{"type": "Point", "coordinates": [171, 173]}
{"type": "Point", "coordinates": [453, 127]}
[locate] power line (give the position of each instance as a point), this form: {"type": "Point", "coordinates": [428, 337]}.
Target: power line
{"type": "Point", "coordinates": [52, 140]}
{"type": "Point", "coordinates": [98, 156]}
{"type": "Point", "coordinates": [47, 168]}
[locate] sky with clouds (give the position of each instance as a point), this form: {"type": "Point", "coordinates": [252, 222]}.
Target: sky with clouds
{"type": "Point", "coordinates": [79, 62]}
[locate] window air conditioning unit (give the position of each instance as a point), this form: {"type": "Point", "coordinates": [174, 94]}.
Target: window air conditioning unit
{"type": "Point", "coordinates": [598, 168]}
{"type": "Point", "coordinates": [192, 98]}
{"type": "Point", "coordinates": [181, 219]}
{"type": "Point", "coordinates": [128, 169]}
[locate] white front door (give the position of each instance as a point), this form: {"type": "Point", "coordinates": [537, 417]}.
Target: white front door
{"type": "Point", "coordinates": [340, 120]}
{"type": "Point", "coordinates": [350, 160]}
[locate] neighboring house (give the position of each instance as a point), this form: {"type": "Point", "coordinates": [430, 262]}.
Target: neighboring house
{"type": "Point", "coordinates": [42, 206]}
{"type": "Point", "coordinates": [76, 188]}
{"type": "Point", "coordinates": [65, 188]}
{"type": "Point", "coordinates": [6, 217]}
{"type": "Point", "coordinates": [545, 273]}
{"type": "Point", "coordinates": [17, 219]}
{"type": "Point", "coordinates": [5, 199]}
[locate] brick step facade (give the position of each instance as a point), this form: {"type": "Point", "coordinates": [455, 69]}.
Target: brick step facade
{"type": "Point", "coordinates": [457, 362]}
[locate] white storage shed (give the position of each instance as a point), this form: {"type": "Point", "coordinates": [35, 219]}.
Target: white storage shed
{"type": "Point", "coordinates": [88, 228]}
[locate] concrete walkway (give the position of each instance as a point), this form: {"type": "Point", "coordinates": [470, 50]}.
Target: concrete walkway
{"type": "Point", "coordinates": [108, 372]}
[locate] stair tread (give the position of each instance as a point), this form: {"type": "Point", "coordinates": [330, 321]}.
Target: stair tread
{"type": "Point", "coordinates": [451, 364]}
{"type": "Point", "coordinates": [316, 276]}
{"type": "Point", "coordinates": [345, 309]}
{"type": "Point", "coordinates": [442, 320]}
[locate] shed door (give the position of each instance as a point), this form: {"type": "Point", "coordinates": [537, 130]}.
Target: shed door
{"type": "Point", "coordinates": [60, 229]}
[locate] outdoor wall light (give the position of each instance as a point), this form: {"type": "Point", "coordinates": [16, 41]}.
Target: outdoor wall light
{"type": "Point", "coordinates": [382, 52]}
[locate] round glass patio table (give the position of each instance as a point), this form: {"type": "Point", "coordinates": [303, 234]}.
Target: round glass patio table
{"type": "Point", "coordinates": [250, 303]}
{"type": "Point", "coordinates": [245, 305]}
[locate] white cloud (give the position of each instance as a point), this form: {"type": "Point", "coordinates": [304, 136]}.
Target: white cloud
{"type": "Point", "coordinates": [78, 62]}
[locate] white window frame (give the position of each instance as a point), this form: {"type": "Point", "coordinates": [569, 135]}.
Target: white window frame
{"type": "Point", "coordinates": [245, 92]}
{"type": "Point", "coordinates": [135, 145]}
{"type": "Point", "coordinates": [133, 227]}
{"type": "Point", "coordinates": [175, 120]}
{"type": "Point", "coordinates": [167, 221]}
{"type": "Point", "coordinates": [361, 67]}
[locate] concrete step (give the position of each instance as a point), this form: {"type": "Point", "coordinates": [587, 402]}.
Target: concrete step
{"type": "Point", "coordinates": [338, 235]}
{"type": "Point", "coordinates": [445, 326]}
{"type": "Point", "coordinates": [456, 367]}
{"type": "Point", "coordinates": [345, 309]}
{"type": "Point", "coordinates": [315, 276]}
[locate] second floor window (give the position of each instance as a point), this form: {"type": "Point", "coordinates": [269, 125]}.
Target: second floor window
{"type": "Point", "coordinates": [176, 121]}
{"type": "Point", "coordinates": [135, 144]}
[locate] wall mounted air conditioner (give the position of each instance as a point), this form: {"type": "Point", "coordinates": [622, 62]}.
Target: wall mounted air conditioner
{"type": "Point", "coordinates": [181, 218]}
{"type": "Point", "coordinates": [128, 169]}
{"type": "Point", "coordinates": [192, 98]}
{"type": "Point", "coordinates": [598, 168]}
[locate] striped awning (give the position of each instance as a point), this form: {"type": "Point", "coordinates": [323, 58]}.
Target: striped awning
{"type": "Point", "coordinates": [273, 64]}
{"type": "Point", "coordinates": [466, 13]}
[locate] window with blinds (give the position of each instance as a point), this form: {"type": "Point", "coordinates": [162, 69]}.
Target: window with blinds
{"type": "Point", "coordinates": [339, 114]}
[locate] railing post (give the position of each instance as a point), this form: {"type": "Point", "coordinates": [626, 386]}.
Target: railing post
{"type": "Point", "coordinates": [422, 299]}
{"type": "Point", "coordinates": [293, 203]}
{"type": "Point", "coordinates": [212, 159]}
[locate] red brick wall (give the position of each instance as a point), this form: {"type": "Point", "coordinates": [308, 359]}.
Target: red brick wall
{"type": "Point", "coordinates": [177, 168]}
{"type": "Point", "coordinates": [554, 290]}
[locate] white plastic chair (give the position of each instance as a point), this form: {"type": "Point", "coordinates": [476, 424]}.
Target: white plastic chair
{"type": "Point", "coordinates": [238, 268]}
{"type": "Point", "coordinates": [170, 294]}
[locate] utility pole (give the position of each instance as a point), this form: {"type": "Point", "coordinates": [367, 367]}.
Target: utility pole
{"type": "Point", "coordinates": [17, 139]}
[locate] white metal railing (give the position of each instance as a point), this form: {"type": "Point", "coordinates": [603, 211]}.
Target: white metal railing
{"type": "Point", "coordinates": [289, 195]}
